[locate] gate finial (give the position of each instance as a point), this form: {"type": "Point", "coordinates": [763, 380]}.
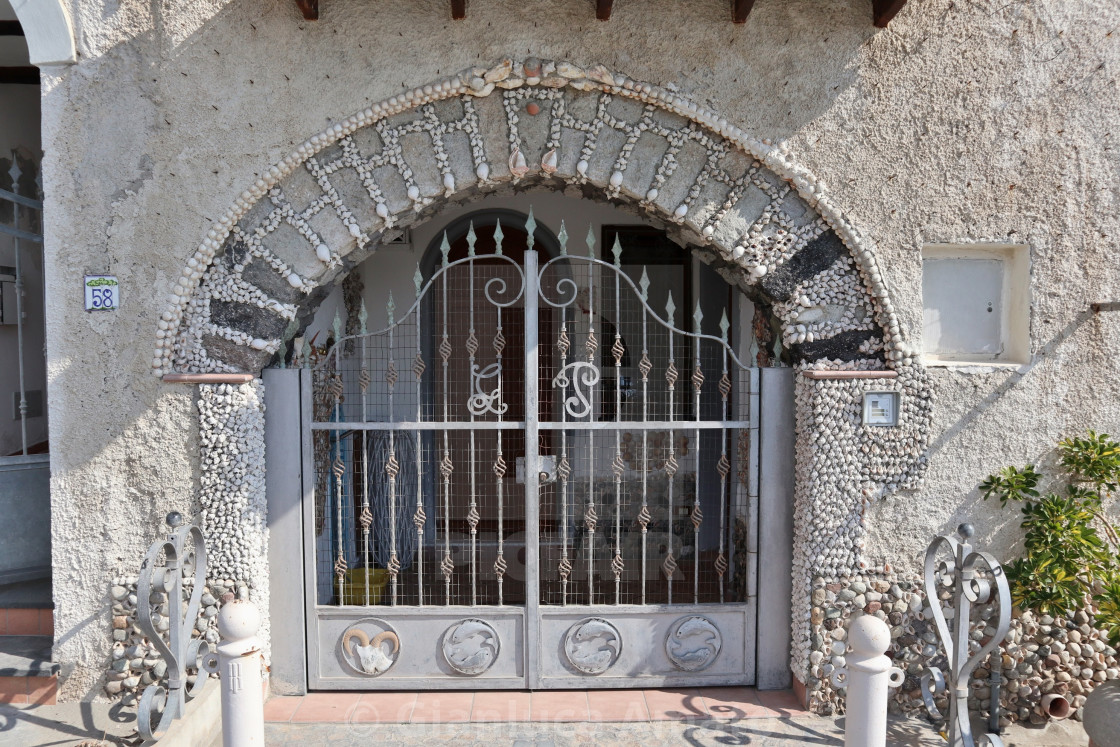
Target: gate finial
{"type": "Point", "coordinates": [417, 280]}
{"type": "Point", "coordinates": [498, 236]}
{"type": "Point", "coordinates": [591, 241]}
{"type": "Point", "coordinates": [471, 238]}
{"type": "Point", "coordinates": [363, 317]}
{"type": "Point", "coordinates": [530, 229]}
{"type": "Point", "coordinates": [724, 325]}
{"type": "Point", "coordinates": [562, 237]}
{"type": "Point", "coordinates": [697, 316]}
{"type": "Point", "coordinates": [644, 283]}
{"type": "Point", "coordinates": [617, 251]}
{"type": "Point", "coordinates": [444, 248]}
{"type": "Point", "coordinates": [671, 309]}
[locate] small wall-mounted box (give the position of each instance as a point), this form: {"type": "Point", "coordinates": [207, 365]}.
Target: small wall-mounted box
{"type": "Point", "coordinates": [976, 303]}
{"type": "Point", "coordinates": [880, 408]}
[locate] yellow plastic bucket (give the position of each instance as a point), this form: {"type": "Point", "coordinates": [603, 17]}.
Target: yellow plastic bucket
{"type": "Point", "coordinates": [353, 587]}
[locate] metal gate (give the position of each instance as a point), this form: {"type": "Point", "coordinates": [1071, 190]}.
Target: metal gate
{"type": "Point", "coordinates": [530, 478]}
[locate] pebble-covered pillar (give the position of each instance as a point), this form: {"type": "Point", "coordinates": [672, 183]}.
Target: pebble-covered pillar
{"type": "Point", "coordinates": [232, 490]}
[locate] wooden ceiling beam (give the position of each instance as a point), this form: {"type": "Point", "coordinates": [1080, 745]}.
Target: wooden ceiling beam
{"type": "Point", "coordinates": [884, 10]}
{"type": "Point", "coordinates": [603, 9]}
{"type": "Point", "coordinates": [458, 10]}
{"type": "Point", "coordinates": [740, 9]}
{"type": "Point", "coordinates": [309, 8]}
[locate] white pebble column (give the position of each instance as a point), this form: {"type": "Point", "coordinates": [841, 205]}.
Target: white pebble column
{"type": "Point", "coordinates": [232, 488]}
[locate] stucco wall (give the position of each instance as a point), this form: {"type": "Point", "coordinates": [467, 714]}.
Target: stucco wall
{"type": "Point", "coordinates": [962, 121]}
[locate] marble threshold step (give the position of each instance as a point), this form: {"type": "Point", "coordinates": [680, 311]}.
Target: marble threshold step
{"type": "Point", "coordinates": [27, 674]}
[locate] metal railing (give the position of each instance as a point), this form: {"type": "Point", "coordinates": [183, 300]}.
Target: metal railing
{"type": "Point", "coordinates": [20, 204]}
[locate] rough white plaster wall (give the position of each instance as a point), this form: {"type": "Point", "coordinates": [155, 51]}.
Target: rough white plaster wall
{"type": "Point", "coordinates": [978, 120]}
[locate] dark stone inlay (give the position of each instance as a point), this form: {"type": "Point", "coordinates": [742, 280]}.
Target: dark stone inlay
{"type": "Point", "coordinates": [235, 253]}
{"type": "Point", "coordinates": [843, 347]}
{"type": "Point", "coordinates": [240, 357]}
{"type": "Point", "coordinates": [258, 273]}
{"type": "Point", "coordinates": [245, 318]}
{"type": "Point", "coordinates": [814, 258]}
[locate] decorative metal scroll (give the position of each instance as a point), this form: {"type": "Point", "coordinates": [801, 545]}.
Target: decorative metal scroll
{"type": "Point", "coordinates": [975, 578]}
{"type": "Point", "coordinates": [161, 574]}
{"type": "Point", "coordinates": [483, 401]}
{"type": "Point", "coordinates": [582, 377]}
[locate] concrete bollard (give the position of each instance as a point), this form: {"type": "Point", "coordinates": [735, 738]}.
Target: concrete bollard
{"type": "Point", "coordinates": [238, 665]}
{"type": "Point", "coordinates": [1101, 715]}
{"type": "Point", "coordinates": [867, 677]}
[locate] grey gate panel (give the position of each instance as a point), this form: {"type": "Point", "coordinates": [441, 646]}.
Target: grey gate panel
{"type": "Point", "coordinates": [530, 478]}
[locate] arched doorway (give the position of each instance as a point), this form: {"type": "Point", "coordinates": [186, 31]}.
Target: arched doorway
{"type": "Point", "coordinates": [538, 464]}
{"type": "Point", "coordinates": [763, 223]}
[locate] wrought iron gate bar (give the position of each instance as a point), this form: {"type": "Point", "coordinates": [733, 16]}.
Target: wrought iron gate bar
{"type": "Point", "coordinates": [696, 515]}
{"type": "Point", "coordinates": [419, 518]}
{"type": "Point", "coordinates": [366, 519]}
{"type": "Point", "coordinates": [472, 348]}
{"type": "Point", "coordinates": [591, 517]}
{"type": "Point", "coordinates": [447, 566]}
{"type": "Point", "coordinates": [617, 351]}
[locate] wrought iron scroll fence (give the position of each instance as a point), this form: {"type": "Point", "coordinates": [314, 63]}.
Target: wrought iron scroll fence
{"type": "Point", "coordinates": [425, 430]}
{"type": "Point", "coordinates": [955, 586]}
{"type": "Point", "coordinates": [173, 568]}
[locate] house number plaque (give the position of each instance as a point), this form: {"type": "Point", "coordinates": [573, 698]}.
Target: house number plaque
{"type": "Point", "coordinates": [103, 292]}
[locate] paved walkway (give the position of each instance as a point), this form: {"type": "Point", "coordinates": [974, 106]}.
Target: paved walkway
{"type": "Point", "coordinates": [635, 718]}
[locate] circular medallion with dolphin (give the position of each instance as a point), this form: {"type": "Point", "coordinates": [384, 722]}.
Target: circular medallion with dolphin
{"type": "Point", "coordinates": [471, 646]}
{"type": "Point", "coordinates": [592, 645]}
{"type": "Point", "coordinates": [693, 643]}
{"type": "Point", "coordinates": [370, 646]}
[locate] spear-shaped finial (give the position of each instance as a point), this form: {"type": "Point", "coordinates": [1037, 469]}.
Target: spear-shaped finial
{"type": "Point", "coordinates": [591, 241]}
{"type": "Point", "coordinates": [363, 317]}
{"type": "Point", "coordinates": [471, 238]}
{"type": "Point", "coordinates": [418, 279]}
{"type": "Point", "coordinates": [390, 307]}
{"type": "Point", "coordinates": [671, 308]}
{"type": "Point", "coordinates": [445, 248]}
{"type": "Point", "coordinates": [617, 252]}
{"type": "Point", "coordinates": [530, 229]}
{"type": "Point", "coordinates": [724, 325]}
{"type": "Point", "coordinates": [644, 283]}
{"type": "Point", "coordinates": [498, 236]}
{"type": "Point", "coordinates": [562, 237]}
{"type": "Point", "coordinates": [697, 316]}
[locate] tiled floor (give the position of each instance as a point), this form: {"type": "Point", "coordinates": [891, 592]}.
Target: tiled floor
{"type": "Point", "coordinates": [555, 706]}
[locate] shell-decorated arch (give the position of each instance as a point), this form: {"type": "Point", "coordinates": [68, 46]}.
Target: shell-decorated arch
{"type": "Point", "coordinates": [765, 224]}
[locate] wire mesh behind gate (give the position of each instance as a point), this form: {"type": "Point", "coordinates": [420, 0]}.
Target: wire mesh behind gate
{"type": "Point", "coordinates": [420, 444]}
